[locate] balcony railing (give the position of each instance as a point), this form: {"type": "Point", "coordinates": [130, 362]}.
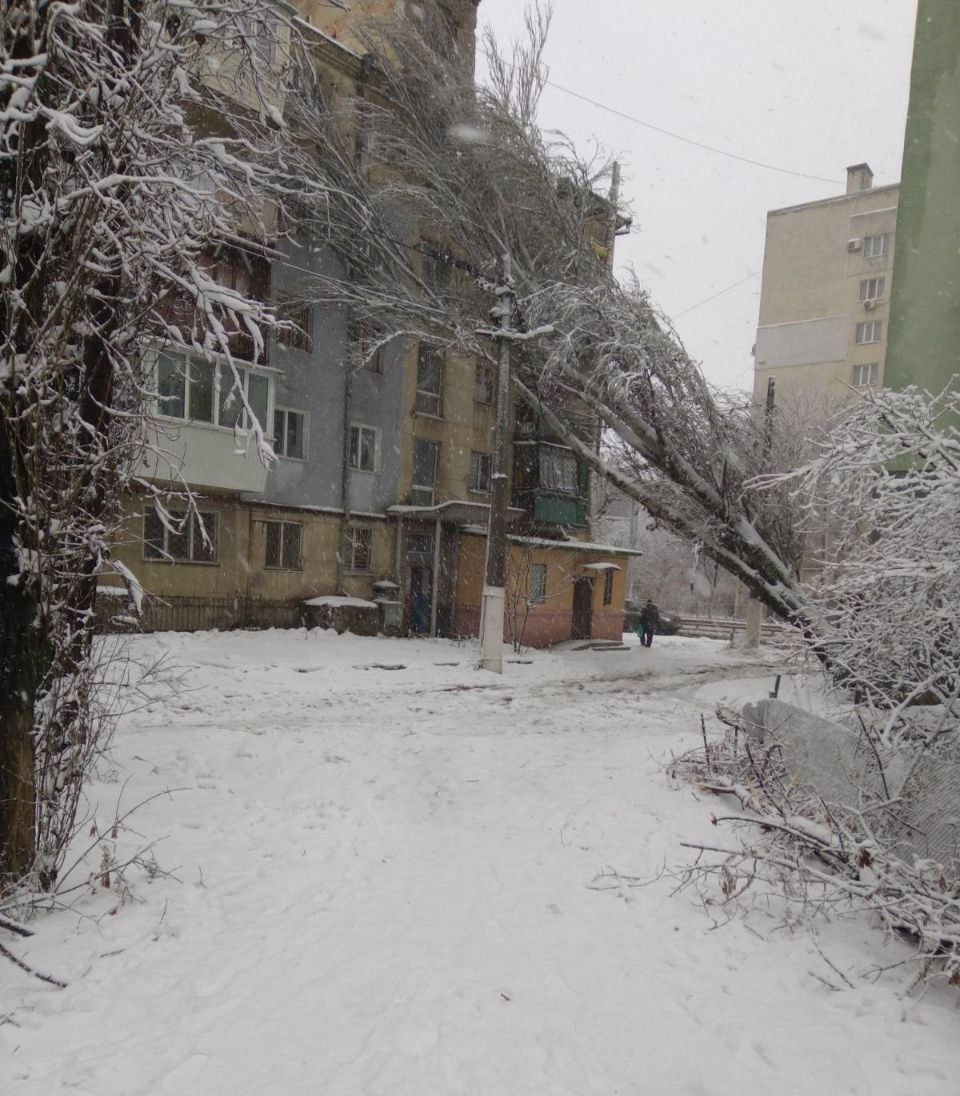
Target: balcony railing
{"type": "Point", "coordinates": [549, 509]}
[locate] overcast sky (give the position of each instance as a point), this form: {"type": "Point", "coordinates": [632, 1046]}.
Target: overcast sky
{"type": "Point", "coordinates": [811, 87]}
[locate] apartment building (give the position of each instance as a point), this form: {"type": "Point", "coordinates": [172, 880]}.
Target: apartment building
{"type": "Point", "coordinates": [924, 346]}
{"type": "Point", "coordinates": [383, 459]}
{"type": "Point", "coordinates": [825, 296]}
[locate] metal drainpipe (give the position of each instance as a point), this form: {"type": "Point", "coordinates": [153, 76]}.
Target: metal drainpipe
{"type": "Point", "coordinates": [345, 482]}
{"type": "Point", "coordinates": [454, 579]}
{"type": "Point", "coordinates": [438, 530]}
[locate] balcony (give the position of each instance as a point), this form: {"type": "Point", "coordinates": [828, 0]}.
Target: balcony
{"type": "Point", "coordinates": [550, 509]}
{"type": "Point", "coordinates": [203, 456]}
{"type": "Point", "coordinates": [201, 431]}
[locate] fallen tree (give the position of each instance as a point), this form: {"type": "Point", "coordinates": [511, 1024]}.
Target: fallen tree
{"type": "Point", "coordinates": [831, 823]}
{"type": "Point", "coordinates": [454, 176]}
{"type": "Point", "coordinates": [885, 601]}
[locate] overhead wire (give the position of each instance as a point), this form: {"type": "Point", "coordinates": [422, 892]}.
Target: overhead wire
{"type": "Point", "coordinates": [688, 140]}
{"type": "Point", "coordinates": [713, 296]}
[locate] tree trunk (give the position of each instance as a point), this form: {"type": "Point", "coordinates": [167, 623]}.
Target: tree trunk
{"type": "Point", "coordinates": [20, 662]}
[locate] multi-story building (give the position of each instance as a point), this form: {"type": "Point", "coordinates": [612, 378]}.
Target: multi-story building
{"type": "Point", "coordinates": [924, 343]}
{"type": "Point", "coordinates": [383, 460]}
{"type": "Point", "coordinates": [825, 296]}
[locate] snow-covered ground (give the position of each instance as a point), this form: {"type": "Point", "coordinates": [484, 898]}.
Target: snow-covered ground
{"type": "Point", "coordinates": [381, 864]}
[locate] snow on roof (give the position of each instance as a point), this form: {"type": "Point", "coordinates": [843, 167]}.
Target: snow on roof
{"type": "Point", "coordinates": [337, 511]}
{"type": "Point", "coordinates": [571, 544]}
{"type": "Point", "coordinates": [341, 602]}
{"type": "Point", "coordinates": [306, 25]}
{"type": "Point", "coordinates": [600, 567]}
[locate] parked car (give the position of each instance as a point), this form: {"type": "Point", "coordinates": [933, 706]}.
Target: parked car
{"type": "Point", "coordinates": [670, 623]}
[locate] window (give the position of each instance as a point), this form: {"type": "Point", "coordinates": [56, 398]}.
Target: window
{"type": "Point", "coordinates": [868, 332]}
{"type": "Point", "coordinates": [429, 376]}
{"type": "Point", "coordinates": [185, 388]}
{"type": "Point", "coordinates": [288, 433]}
{"type": "Point", "coordinates": [171, 387]}
{"type": "Point", "coordinates": [481, 468]}
{"type": "Point", "coordinates": [284, 540]}
{"type": "Point", "coordinates": [231, 411]}
{"type": "Point", "coordinates": [435, 265]}
{"type": "Point", "coordinates": [876, 247]}
{"type": "Point", "coordinates": [450, 23]}
{"type": "Point", "coordinates": [425, 458]}
{"type": "Point", "coordinates": [871, 289]}
{"type": "Point", "coordinates": [538, 583]}
{"type": "Point", "coordinates": [485, 384]}
{"type": "Point", "coordinates": [260, 35]}
{"type": "Point", "coordinates": [421, 543]}
{"type": "Point", "coordinates": [608, 587]}
{"type": "Point", "coordinates": [365, 448]}
{"type": "Point", "coordinates": [866, 374]}
{"type": "Point", "coordinates": [299, 335]}
{"type": "Point", "coordinates": [558, 469]}
{"type": "Point", "coordinates": [197, 391]}
{"type": "Point", "coordinates": [371, 342]}
{"type": "Point", "coordinates": [183, 541]}
{"type": "Point", "coordinates": [360, 543]}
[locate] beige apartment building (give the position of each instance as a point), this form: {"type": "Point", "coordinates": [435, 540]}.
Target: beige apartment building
{"type": "Point", "coordinates": [825, 296]}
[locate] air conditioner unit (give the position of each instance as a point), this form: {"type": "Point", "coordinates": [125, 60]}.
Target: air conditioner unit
{"type": "Point", "coordinates": [854, 245]}
{"type": "Point", "coordinates": [869, 304]}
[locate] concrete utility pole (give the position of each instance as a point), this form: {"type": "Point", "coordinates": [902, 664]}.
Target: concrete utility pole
{"type": "Point", "coordinates": [754, 605]}
{"type": "Point", "coordinates": [495, 580]}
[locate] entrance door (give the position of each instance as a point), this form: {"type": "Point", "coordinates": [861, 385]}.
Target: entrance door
{"type": "Point", "coordinates": [420, 587]}
{"type": "Point", "coordinates": [582, 608]}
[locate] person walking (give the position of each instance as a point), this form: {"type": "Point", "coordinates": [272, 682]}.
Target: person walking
{"type": "Point", "coordinates": [649, 622]}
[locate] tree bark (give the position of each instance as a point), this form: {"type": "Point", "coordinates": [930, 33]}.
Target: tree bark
{"type": "Point", "coordinates": [20, 662]}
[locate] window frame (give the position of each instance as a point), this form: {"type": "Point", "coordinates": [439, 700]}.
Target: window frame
{"type": "Point", "coordinates": [879, 283]}
{"type": "Point", "coordinates": [217, 364]}
{"type": "Point", "coordinates": [608, 586]}
{"type": "Point", "coordinates": [282, 564]}
{"type": "Point", "coordinates": [280, 443]}
{"type": "Point", "coordinates": [426, 401]}
{"type": "Point", "coordinates": [478, 459]}
{"type": "Point", "coordinates": [420, 544]}
{"type": "Point", "coordinates": [424, 487]}
{"type": "Point", "coordinates": [569, 459]}
{"type": "Point", "coordinates": [538, 583]}
{"type": "Point", "coordinates": [876, 251]}
{"type": "Point", "coordinates": [300, 336]}
{"type": "Point", "coordinates": [872, 327]}
{"type": "Point", "coordinates": [873, 374]}
{"type": "Point", "coordinates": [190, 528]}
{"type": "Point", "coordinates": [355, 535]}
{"type": "Point", "coordinates": [358, 428]}
{"type": "Point", "coordinates": [436, 270]}
{"type": "Point", "coordinates": [489, 374]}
{"type": "Point", "coordinates": [362, 334]}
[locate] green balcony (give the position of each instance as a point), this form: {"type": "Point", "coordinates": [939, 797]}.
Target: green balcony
{"type": "Point", "coordinates": [560, 510]}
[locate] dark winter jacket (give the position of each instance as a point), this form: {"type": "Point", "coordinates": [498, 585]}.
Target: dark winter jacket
{"type": "Point", "coordinates": [650, 617]}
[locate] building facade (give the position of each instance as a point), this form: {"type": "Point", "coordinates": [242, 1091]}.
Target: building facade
{"type": "Point", "coordinates": [383, 462]}
{"type": "Point", "coordinates": [825, 296]}
{"type": "Point", "coordinates": [924, 344]}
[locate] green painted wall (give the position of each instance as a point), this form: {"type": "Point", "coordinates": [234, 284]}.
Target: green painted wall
{"type": "Point", "coordinates": [924, 338]}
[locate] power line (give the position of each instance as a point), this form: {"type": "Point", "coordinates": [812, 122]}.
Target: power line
{"type": "Point", "coordinates": [713, 296]}
{"type": "Point", "coordinates": [688, 140]}
{"type": "Point", "coordinates": [722, 338]}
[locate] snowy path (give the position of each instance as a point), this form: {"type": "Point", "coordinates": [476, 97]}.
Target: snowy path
{"type": "Point", "coordinates": [384, 889]}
